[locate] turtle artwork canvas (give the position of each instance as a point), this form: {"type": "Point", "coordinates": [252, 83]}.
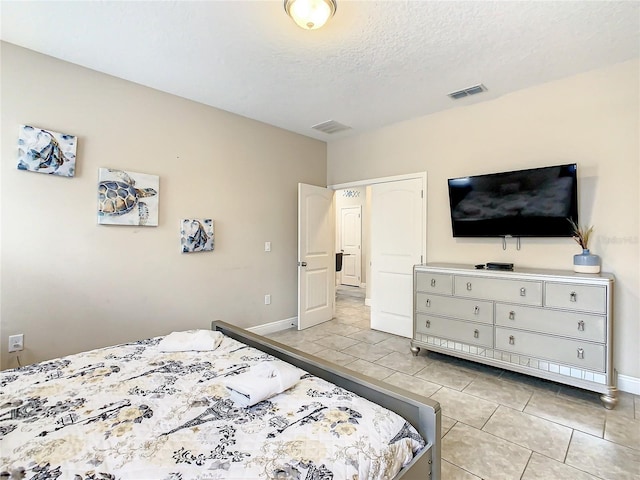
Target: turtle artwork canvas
{"type": "Point", "coordinates": [45, 151]}
{"type": "Point", "coordinates": [127, 198]}
{"type": "Point", "coordinates": [196, 235]}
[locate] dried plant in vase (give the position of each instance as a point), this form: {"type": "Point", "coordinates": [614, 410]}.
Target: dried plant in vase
{"type": "Point", "coordinates": [584, 262]}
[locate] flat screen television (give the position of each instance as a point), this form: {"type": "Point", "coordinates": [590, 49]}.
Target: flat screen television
{"type": "Point", "coordinates": [537, 202]}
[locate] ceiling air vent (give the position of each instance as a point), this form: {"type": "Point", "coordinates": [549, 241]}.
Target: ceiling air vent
{"type": "Point", "coordinates": [331, 126]}
{"type": "Point", "coordinates": [465, 92]}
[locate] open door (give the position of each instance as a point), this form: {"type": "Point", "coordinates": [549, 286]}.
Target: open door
{"type": "Point", "coordinates": [397, 229]}
{"type": "Point", "coordinates": [316, 255]}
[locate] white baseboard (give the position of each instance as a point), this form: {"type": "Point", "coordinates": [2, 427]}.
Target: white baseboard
{"type": "Point", "coordinates": [274, 327]}
{"type": "Point", "coordinates": [629, 384]}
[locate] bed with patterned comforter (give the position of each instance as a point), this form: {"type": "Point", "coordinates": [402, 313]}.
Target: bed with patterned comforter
{"type": "Point", "coordinates": [134, 412]}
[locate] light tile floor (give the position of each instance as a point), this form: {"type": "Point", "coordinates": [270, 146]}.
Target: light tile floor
{"type": "Point", "coordinates": [495, 424]}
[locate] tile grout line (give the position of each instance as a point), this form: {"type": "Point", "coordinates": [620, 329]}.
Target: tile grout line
{"type": "Point", "coordinates": [527, 465]}
{"type": "Point", "coordinates": [564, 460]}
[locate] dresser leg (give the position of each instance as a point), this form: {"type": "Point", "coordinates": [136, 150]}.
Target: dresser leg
{"type": "Point", "coordinates": [415, 350]}
{"type": "Point", "coordinates": [610, 399]}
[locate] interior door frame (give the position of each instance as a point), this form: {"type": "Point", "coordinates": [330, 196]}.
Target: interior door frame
{"type": "Point", "coordinates": [395, 178]}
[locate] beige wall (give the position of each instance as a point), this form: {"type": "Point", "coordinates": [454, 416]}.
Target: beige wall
{"type": "Point", "coordinates": [591, 119]}
{"type": "Point", "coordinates": [70, 285]}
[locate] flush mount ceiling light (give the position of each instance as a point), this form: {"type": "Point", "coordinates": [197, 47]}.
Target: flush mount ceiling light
{"type": "Point", "coordinates": [310, 14]}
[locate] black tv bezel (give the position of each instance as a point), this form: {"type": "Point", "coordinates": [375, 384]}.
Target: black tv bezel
{"type": "Point", "coordinates": [556, 227]}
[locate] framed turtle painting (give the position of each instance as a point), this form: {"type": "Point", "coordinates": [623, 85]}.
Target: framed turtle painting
{"type": "Point", "coordinates": [196, 235]}
{"type": "Point", "coordinates": [127, 198]}
{"type": "Point", "coordinates": [45, 151]}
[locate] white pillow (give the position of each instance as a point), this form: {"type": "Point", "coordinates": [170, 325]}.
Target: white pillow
{"type": "Point", "coordinates": [191, 340]}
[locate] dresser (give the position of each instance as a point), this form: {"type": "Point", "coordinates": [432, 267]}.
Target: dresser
{"type": "Point", "coordinates": [552, 324]}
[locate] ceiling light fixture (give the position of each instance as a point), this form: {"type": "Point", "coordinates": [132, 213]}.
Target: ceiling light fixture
{"type": "Point", "coordinates": [310, 14]}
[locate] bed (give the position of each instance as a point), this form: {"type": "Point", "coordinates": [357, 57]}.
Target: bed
{"type": "Point", "coordinates": [133, 412]}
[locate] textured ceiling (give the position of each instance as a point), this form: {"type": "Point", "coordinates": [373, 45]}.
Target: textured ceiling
{"type": "Point", "coordinates": [374, 64]}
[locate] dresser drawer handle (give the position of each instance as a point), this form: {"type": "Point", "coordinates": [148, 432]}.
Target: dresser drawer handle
{"type": "Point", "coordinates": [476, 333]}
{"type": "Point", "coordinates": [469, 286]}
{"type": "Point", "coordinates": [512, 340]}
{"type": "Point", "coordinates": [433, 282]}
{"type": "Point", "coordinates": [427, 324]}
{"type": "Point", "coordinates": [512, 315]}
{"type": "Point", "coordinates": [428, 302]}
{"type": "Point", "coordinates": [476, 310]}
{"type": "Point", "coordinates": [523, 292]}
{"type": "Point", "coordinates": [581, 326]}
{"type": "Point", "coordinates": [580, 353]}
{"type": "Point", "coordinates": [573, 297]}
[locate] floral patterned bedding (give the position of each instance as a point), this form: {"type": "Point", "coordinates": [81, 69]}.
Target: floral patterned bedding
{"type": "Point", "coordinates": [133, 412]}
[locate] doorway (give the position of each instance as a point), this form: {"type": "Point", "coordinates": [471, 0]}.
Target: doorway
{"type": "Point", "coordinates": [349, 233]}
{"type": "Point", "coordinates": [401, 214]}
{"type": "Point", "coordinates": [393, 239]}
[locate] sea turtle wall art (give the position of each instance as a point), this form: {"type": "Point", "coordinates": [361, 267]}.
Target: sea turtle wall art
{"type": "Point", "coordinates": [196, 235]}
{"type": "Point", "coordinates": [127, 198]}
{"type": "Point", "coordinates": [45, 151]}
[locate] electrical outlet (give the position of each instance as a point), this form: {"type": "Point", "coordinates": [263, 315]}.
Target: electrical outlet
{"type": "Point", "coordinates": [16, 343]}
{"type": "Point", "coordinates": [267, 246]}
{"type": "Point", "coordinates": [267, 299]}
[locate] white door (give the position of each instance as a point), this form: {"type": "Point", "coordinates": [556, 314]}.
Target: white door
{"type": "Point", "coordinates": [350, 245]}
{"type": "Point", "coordinates": [397, 213]}
{"type": "Point", "coordinates": [316, 255]}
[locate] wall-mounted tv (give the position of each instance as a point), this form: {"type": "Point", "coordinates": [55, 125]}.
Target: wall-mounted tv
{"type": "Point", "coordinates": [536, 202]}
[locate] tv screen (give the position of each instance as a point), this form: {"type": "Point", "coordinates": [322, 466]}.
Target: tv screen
{"type": "Point", "coordinates": [536, 202]}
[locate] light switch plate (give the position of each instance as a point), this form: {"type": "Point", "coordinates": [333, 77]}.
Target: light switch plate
{"type": "Point", "coordinates": [16, 343]}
